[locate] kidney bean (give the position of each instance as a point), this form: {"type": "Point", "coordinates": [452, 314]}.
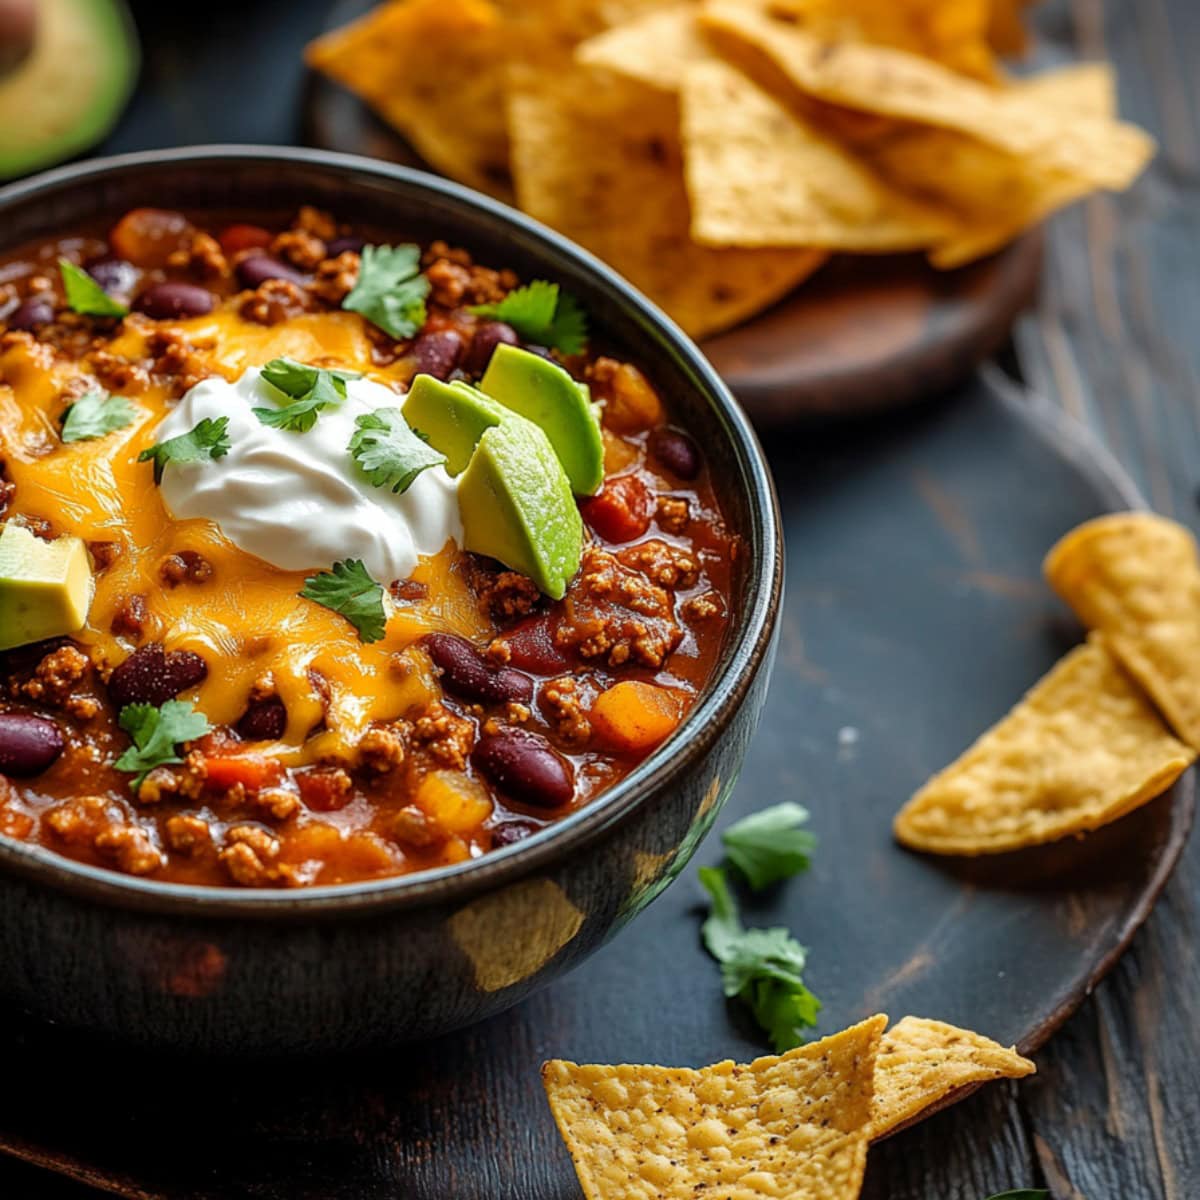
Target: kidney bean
{"type": "Point", "coordinates": [116, 276]}
{"type": "Point", "coordinates": [263, 720]}
{"type": "Point", "coordinates": [524, 766]}
{"type": "Point", "coordinates": [510, 832]}
{"type": "Point", "coordinates": [675, 451]}
{"type": "Point", "coordinates": [340, 245]}
{"type": "Point", "coordinates": [258, 268]}
{"type": "Point", "coordinates": [28, 744]}
{"type": "Point", "coordinates": [20, 660]}
{"type": "Point", "coordinates": [147, 237]}
{"type": "Point", "coordinates": [488, 335]}
{"type": "Point", "coordinates": [29, 314]}
{"type": "Point", "coordinates": [152, 676]}
{"type": "Point", "coordinates": [532, 648]}
{"type": "Point", "coordinates": [469, 675]}
{"type": "Point", "coordinates": [166, 301]}
{"type": "Point", "coordinates": [437, 352]}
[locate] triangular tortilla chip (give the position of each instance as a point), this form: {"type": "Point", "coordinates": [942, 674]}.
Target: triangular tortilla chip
{"type": "Point", "coordinates": [654, 50]}
{"type": "Point", "coordinates": [920, 1062]}
{"type": "Point", "coordinates": [794, 1125]}
{"type": "Point", "coordinates": [1083, 748]}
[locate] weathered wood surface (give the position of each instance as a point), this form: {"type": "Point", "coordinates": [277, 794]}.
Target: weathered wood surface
{"type": "Point", "coordinates": [1115, 1111]}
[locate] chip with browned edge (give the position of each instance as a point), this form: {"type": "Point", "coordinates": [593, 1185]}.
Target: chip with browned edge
{"type": "Point", "coordinates": [922, 1062]}
{"type": "Point", "coordinates": [1134, 577]}
{"type": "Point", "coordinates": [1083, 748]}
{"type": "Point", "coordinates": [792, 1126]}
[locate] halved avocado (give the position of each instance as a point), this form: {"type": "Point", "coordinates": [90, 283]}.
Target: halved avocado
{"type": "Point", "coordinates": [70, 90]}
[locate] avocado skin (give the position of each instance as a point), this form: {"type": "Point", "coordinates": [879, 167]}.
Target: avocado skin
{"type": "Point", "coordinates": [544, 393]}
{"type": "Point", "coordinates": [50, 109]}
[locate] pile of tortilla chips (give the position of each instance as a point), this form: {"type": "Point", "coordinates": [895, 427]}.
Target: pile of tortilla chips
{"type": "Point", "coordinates": [716, 151]}
{"type": "Point", "coordinates": [1112, 726]}
{"type": "Point", "coordinates": [795, 1125]}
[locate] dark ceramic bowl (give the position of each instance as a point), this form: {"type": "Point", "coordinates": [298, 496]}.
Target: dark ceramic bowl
{"type": "Point", "coordinates": [328, 968]}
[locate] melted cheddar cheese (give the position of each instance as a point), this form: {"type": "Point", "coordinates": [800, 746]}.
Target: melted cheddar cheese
{"type": "Point", "coordinates": [247, 620]}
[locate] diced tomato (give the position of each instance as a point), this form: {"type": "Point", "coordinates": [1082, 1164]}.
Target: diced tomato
{"type": "Point", "coordinates": [532, 648]}
{"type": "Point", "coordinates": [234, 238]}
{"type": "Point", "coordinates": [622, 510]}
{"type": "Point", "coordinates": [252, 771]}
{"type": "Point", "coordinates": [324, 791]}
{"type": "Point", "coordinates": [147, 237]}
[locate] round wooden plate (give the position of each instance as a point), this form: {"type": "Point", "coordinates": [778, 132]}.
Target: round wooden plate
{"type": "Point", "coordinates": [915, 617]}
{"type": "Point", "coordinates": [863, 335]}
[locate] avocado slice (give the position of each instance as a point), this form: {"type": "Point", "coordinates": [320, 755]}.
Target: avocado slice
{"type": "Point", "coordinates": [514, 496]}
{"type": "Point", "coordinates": [45, 587]}
{"type": "Point", "coordinates": [543, 392]}
{"type": "Point", "coordinates": [71, 88]}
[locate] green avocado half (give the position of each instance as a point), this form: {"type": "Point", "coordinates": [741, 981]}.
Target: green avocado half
{"type": "Point", "coordinates": [68, 92]}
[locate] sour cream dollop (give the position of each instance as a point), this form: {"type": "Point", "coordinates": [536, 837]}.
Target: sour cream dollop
{"type": "Point", "coordinates": [298, 500]}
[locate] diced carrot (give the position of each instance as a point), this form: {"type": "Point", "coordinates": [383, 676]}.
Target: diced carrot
{"type": "Point", "coordinates": [458, 803]}
{"type": "Point", "coordinates": [630, 403]}
{"type": "Point", "coordinates": [622, 509]}
{"type": "Point", "coordinates": [234, 238]}
{"type": "Point", "coordinates": [252, 771]}
{"type": "Point", "coordinates": [632, 717]}
{"type": "Point", "coordinates": [619, 455]}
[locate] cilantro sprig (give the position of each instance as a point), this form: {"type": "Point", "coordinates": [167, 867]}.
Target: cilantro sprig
{"type": "Point", "coordinates": [390, 453]}
{"type": "Point", "coordinates": [311, 390]}
{"type": "Point", "coordinates": [157, 734]}
{"type": "Point", "coordinates": [350, 591]}
{"type": "Point", "coordinates": [761, 967]}
{"type": "Point", "coordinates": [543, 314]}
{"type": "Point", "coordinates": [391, 291]}
{"type": "Point", "coordinates": [768, 846]}
{"type": "Point", "coordinates": [85, 295]}
{"type": "Point", "coordinates": [95, 415]}
{"type": "Point", "coordinates": [207, 440]}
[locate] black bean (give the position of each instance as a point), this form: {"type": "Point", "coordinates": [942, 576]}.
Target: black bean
{"type": "Point", "coordinates": [29, 314]}
{"type": "Point", "coordinates": [168, 301]}
{"type": "Point", "coordinates": [488, 336]}
{"type": "Point", "coordinates": [437, 352]}
{"type": "Point", "coordinates": [525, 767]}
{"type": "Point", "coordinates": [152, 676]}
{"type": "Point", "coordinates": [340, 245]}
{"type": "Point", "coordinates": [263, 720]}
{"type": "Point", "coordinates": [258, 268]}
{"type": "Point", "coordinates": [509, 833]}
{"type": "Point", "coordinates": [467, 674]}
{"type": "Point", "coordinates": [28, 745]}
{"type": "Point", "coordinates": [675, 451]}
{"type": "Point", "coordinates": [116, 276]}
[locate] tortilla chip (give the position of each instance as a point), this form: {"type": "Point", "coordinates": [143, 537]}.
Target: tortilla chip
{"type": "Point", "coordinates": [563, 24]}
{"type": "Point", "coordinates": [598, 157]}
{"type": "Point", "coordinates": [920, 1062]}
{"type": "Point", "coordinates": [1134, 578]}
{"type": "Point", "coordinates": [1083, 748]}
{"type": "Point", "coordinates": [433, 69]}
{"type": "Point", "coordinates": [1006, 27]}
{"type": "Point", "coordinates": [885, 81]}
{"type": "Point", "coordinates": [655, 50]}
{"type": "Point", "coordinates": [759, 175]}
{"type": "Point", "coordinates": [795, 1125]}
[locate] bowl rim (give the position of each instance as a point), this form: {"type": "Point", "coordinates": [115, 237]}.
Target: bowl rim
{"type": "Point", "coordinates": [749, 651]}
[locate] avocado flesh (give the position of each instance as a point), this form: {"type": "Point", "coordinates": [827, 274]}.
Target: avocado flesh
{"type": "Point", "coordinates": [514, 496]}
{"type": "Point", "coordinates": [542, 392]}
{"type": "Point", "coordinates": [45, 587]}
{"type": "Point", "coordinates": [71, 89]}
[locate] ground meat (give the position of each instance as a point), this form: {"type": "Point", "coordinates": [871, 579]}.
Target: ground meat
{"type": "Point", "coordinates": [8, 489]}
{"type": "Point", "coordinates": [563, 704]}
{"type": "Point", "coordinates": [57, 676]}
{"type": "Point", "coordinates": [185, 566]}
{"type": "Point", "coordinates": [703, 608]}
{"type": "Point", "coordinates": [381, 750]}
{"type": "Point", "coordinates": [131, 849]}
{"type": "Point", "coordinates": [202, 256]}
{"type": "Point", "coordinates": [104, 554]}
{"type": "Point", "coordinates": [178, 359]}
{"type": "Point", "coordinates": [299, 247]}
{"type": "Point", "coordinates": [317, 222]}
{"type": "Point", "coordinates": [455, 280]}
{"type": "Point", "coordinates": [277, 804]}
{"type": "Point", "coordinates": [336, 277]}
{"type": "Point", "coordinates": [119, 374]}
{"type": "Point", "coordinates": [273, 302]}
{"type": "Point", "coordinates": [618, 615]}
{"type": "Point", "coordinates": [175, 783]}
{"type": "Point", "coordinates": [444, 736]}
{"type": "Point", "coordinates": [80, 821]}
{"type": "Point", "coordinates": [186, 833]}
{"type": "Point", "coordinates": [411, 827]}
{"type": "Point", "coordinates": [249, 856]}
{"type": "Point", "coordinates": [672, 514]}
{"type": "Point", "coordinates": [130, 619]}
{"type": "Point", "coordinates": [504, 594]}
{"type": "Point", "coordinates": [663, 564]}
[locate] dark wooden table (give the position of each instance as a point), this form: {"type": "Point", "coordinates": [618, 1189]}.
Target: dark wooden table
{"type": "Point", "coordinates": [1115, 1112]}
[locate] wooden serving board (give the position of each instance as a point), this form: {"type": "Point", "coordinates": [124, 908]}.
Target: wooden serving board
{"type": "Point", "coordinates": [915, 617]}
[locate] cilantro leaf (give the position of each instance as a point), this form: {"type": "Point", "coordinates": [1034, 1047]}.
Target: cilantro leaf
{"type": "Point", "coordinates": [297, 379]}
{"type": "Point", "coordinates": [541, 313]}
{"type": "Point", "coordinates": [208, 440]}
{"type": "Point", "coordinates": [312, 389]}
{"type": "Point", "coordinates": [390, 453]}
{"type": "Point", "coordinates": [96, 414]}
{"type": "Point", "coordinates": [761, 967]}
{"type": "Point", "coordinates": [767, 846]}
{"type": "Point", "coordinates": [390, 291]}
{"type": "Point", "coordinates": [85, 295]}
{"type": "Point", "coordinates": [1022, 1194]}
{"type": "Point", "coordinates": [350, 591]}
{"type": "Point", "coordinates": [156, 734]}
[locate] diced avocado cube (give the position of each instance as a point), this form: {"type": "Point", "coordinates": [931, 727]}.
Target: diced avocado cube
{"type": "Point", "coordinates": [45, 587]}
{"type": "Point", "coordinates": [545, 394]}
